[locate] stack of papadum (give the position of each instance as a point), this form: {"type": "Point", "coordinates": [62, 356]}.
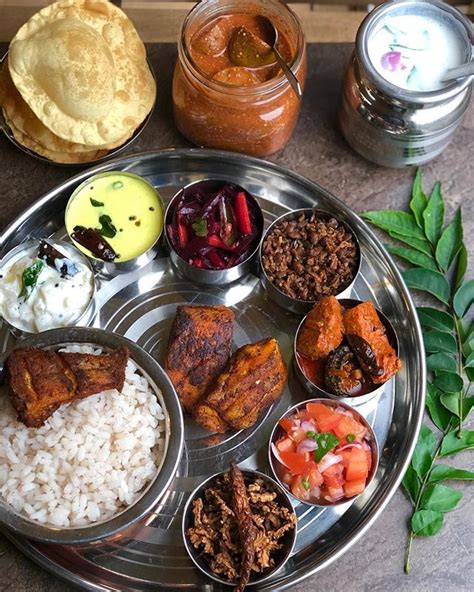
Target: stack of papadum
{"type": "Point", "coordinates": [76, 83]}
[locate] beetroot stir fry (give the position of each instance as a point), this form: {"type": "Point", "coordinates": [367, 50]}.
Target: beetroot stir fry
{"type": "Point", "coordinates": [323, 454]}
{"type": "Point", "coordinates": [214, 229]}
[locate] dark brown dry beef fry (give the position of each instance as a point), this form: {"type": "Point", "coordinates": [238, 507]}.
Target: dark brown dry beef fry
{"type": "Point", "coordinates": [247, 529]}
{"type": "Point", "coordinates": [216, 527]}
{"type": "Point", "coordinates": [308, 257]}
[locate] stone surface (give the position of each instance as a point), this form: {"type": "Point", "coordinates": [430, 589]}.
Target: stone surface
{"type": "Point", "coordinates": [317, 150]}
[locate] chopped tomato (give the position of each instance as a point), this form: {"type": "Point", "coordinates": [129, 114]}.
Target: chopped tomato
{"type": "Point", "coordinates": [285, 444]}
{"type": "Point", "coordinates": [297, 463]}
{"type": "Point", "coordinates": [369, 458]}
{"type": "Point", "coordinates": [335, 493]}
{"type": "Point", "coordinates": [333, 476]}
{"type": "Point", "coordinates": [315, 478]}
{"type": "Point", "coordinates": [348, 425]}
{"type": "Point", "coordinates": [357, 466]}
{"type": "Point", "coordinates": [286, 424]}
{"type": "Point", "coordinates": [352, 488]}
{"type": "Point", "coordinates": [325, 417]}
{"type": "Point", "coordinates": [298, 488]}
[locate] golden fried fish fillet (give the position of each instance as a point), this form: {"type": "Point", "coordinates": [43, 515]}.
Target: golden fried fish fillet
{"type": "Point", "coordinates": [41, 380]}
{"type": "Point", "coordinates": [254, 379]}
{"type": "Point", "coordinates": [198, 350]}
{"type": "Point", "coordinates": [323, 330]}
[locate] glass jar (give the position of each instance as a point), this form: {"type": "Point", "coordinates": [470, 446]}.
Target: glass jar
{"type": "Point", "coordinates": [257, 119]}
{"type": "Point", "coordinates": [392, 126]}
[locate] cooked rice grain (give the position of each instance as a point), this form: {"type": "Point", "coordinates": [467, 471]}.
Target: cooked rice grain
{"type": "Point", "coordinates": [90, 460]}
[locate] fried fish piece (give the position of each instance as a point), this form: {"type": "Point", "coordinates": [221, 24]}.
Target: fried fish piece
{"type": "Point", "coordinates": [254, 379]}
{"type": "Point", "coordinates": [41, 381]}
{"type": "Point", "coordinates": [95, 374]}
{"type": "Point", "coordinates": [366, 335]}
{"type": "Point", "coordinates": [323, 330]}
{"type": "Point", "coordinates": [199, 349]}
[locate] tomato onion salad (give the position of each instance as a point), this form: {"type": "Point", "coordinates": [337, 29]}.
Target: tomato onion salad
{"type": "Point", "coordinates": [323, 453]}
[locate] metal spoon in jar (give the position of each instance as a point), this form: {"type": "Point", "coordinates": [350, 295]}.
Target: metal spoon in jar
{"type": "Point", "coordinates": [459, 72]}
{"type": "Point", "coordinates": [249, 51]}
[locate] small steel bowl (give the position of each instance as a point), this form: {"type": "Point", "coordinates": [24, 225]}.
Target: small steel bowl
{"type": "Point", "coordinates": [294, 304]}
{"type": "Point", "coordinates": [278, 431]}
{"type": "Point", "coordinates": [29, 248]}
{"type": "Point", "coordinates": [289, 538]}
{"type": "Point", "coordinates": [174, 441]}
{"type": "Point", "coordinates": [318, 391]}
{"type": "Point", "coordinates": [212, 277]}
{"type": "Point", "coordinates": [113, 153]}
{"type": "Point", "coordinates": [111, 268]}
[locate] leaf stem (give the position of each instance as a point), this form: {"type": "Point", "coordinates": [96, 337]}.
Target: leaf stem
{"type": "Point", "coordinates": [421, 492]}
{"type": "Point", "coordinates": [460, 371]}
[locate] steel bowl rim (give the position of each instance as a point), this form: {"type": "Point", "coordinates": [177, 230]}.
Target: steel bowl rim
{"type": "Point", "coordinates": [187, 509]}
{"type": "Point", "coordinates": [17, 331]}
{"type": "Point", "coordinates": [374, 447]}
{"type": "Point", "coordinates": [166, 471]}
{"type": "Point", "coordinates": [291, 214]}
{"type": "Point", "coordinates": [393, 339]}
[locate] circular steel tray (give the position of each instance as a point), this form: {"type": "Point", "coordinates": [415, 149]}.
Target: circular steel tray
{"type": "Point", "coordinates": [141, 305]}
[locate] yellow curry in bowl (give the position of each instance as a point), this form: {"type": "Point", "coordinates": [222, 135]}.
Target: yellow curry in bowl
{"type": "Point", "coordinates": [118, 213]}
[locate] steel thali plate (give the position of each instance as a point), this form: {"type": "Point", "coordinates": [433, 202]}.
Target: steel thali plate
{"type": "Point", "coordinates": [141, 305]}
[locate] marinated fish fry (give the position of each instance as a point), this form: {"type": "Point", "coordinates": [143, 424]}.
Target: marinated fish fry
{"type": "Point", "coordinates": [323, 329]}
{"type": "Point", "coordinates": [41, 380]}
{"type": "Point", "coordinates": [198, 350]}
{"type": "Point", "coordinates": [366, 336]}
{"type": "Point", "coordinates": [254, 379]}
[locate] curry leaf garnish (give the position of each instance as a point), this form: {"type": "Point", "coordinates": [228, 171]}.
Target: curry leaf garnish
{"type": "Point", "coordinates": [29, 279]}
{"type": "Point", "coordinates": [95, 203]}
{"type": "Point", "coordinates": [107, 229]}
{"type": "Point", "coordinates": [437, 262]}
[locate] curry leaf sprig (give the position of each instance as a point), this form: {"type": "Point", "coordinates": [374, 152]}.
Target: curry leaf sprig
{"type": "Point", "coordinates": [438, 263]}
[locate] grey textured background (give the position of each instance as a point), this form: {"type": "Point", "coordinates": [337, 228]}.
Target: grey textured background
{"type": "Point", "coordinates": [317, 150]}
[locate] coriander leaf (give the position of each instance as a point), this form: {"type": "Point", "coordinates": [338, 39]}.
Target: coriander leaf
{"type": "Point", "coordinates": [414, 257]}
{"type": "Point", "coordinates": [433, 215]}
{"type": "Point", "coordinates": [438, 341]}
{"type": "Point", "coordinates": [440, 498]}
{"type": "Point", "coordinates": [449, 382]}
{"type": "Point", "coordinates": [421, 245]}
{"type": "Point", "coordinates": [450, 242]}
{"type": "Point", "coordinates": [435, 319]}
{"type": "Point", "coordinates": [395, 221]}
{"type": "Point", "coordinates": [107, 229]}
{"type": "Point", "coordinates": [418, 200]}
{"type": "Point", "coordinates": [454, 442]}
{"type": "Point", "coordinates": [464, 298]}
{"type": "Point", "coordinates": [95, 203]}
{"type": "Point", "coordinates": [441, 361]}
{"type": "Point", "coordinates": [440, 416]}
{"type": "Point", "coordinates": [411, 483]}
{"type": "Point", "coordinates": [29, 278]}
{"type": "Point", "coordinates": [445, 473]}
{"type": "Point", "coordinates": [429, 281]}
{"type": "Point", "coordinates": [424, 451]}
{"type": "Point", "coordinates": [426, 522]}
{"type": "Point", "coordinates": [461, 265]}
{"type": "Point", "coordinates": [326, 442]}
{"type": "Point", "coordinates": [200, 226]}
{"type": "Point", "coordinates": [469, 362]}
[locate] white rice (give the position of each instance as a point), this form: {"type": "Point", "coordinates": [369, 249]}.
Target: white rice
{"type": "Point", "coordinates": [90, 460]}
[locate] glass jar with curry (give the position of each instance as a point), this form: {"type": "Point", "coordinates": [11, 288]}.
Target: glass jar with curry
{"type": "Point", "coordinates": [228, 91]}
